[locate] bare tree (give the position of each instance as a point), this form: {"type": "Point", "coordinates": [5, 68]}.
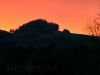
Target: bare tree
{"type": "Point", "coordinates": [93, 27]}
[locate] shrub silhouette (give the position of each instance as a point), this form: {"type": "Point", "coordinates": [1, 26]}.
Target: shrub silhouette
{"type": "Point", "coordinates": [66, 31]}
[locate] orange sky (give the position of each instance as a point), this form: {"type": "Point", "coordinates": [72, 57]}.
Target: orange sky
{"type": "Point", "coordinates": [69, 14]}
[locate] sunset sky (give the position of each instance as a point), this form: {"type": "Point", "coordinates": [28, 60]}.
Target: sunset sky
{"type": "Point", "coordinates": [69, 14]}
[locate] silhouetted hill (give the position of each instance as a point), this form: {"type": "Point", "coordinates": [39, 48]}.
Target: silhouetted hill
{"type": "Point", "coordinates": [4, 35]}
{"type": "Point", "coordinates": [38, 47]}
{"type": "Point", "coordinates": [38, 25]}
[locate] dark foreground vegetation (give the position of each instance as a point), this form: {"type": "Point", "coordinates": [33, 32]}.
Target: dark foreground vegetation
{"type": "Point", "coordinates": [38, 47]}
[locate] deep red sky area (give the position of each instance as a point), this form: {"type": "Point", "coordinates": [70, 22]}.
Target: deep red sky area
{"type": "Point", "coordinates": [69, 14]}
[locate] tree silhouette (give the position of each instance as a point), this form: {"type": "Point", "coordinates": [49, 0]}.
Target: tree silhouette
{"type": "Point", "coordinates": [93, 27]}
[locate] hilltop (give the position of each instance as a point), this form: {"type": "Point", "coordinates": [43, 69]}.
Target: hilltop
{"type": "Point", "coordinates": [39, 43]}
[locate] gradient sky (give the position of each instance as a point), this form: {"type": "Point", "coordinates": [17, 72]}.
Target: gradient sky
{"type": "Point", "coordinates": [69, 14]}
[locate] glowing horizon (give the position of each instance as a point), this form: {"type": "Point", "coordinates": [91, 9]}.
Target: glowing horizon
{"type": "Point", "coordinates": [69, 14]}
